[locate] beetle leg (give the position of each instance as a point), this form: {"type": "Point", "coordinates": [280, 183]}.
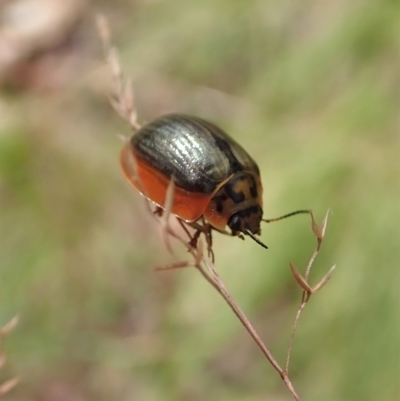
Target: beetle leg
{"type": "Point", "coordinates": [202, 228]}
{"type": "Point", "coordinates": [207, 230]}
{"type": "Point", "coordinates": [183, 225]}
{"type": "Point", "coordinates": [209, 244]}
{"type": "Point", "coordinates": [195, 238]}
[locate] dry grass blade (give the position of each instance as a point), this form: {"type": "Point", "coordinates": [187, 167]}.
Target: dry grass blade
{"type": "Point", "coordinates": [166, 229]}
{"type": "Point", "coordinates": [324, 280]}
{"type": "Point", "coordinates": [104, 29]}
{"type": "Point", "coordinates": [173, 266]}
{"type": "Point", "coordinates": [319, 231]}
{"type": "Point", "coordinates": [123, 100]}
{"type": "Point", "coordinates": [8, 385]}
{"type": "Point", "coordinates": [4, 331]}
{"type": "Point", "coordinates": [7, 328]}
{"type": "Point", "coordinates": [301, 281]}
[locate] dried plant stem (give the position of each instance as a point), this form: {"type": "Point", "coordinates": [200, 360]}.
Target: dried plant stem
{"type": "Point", "coordinates": [221, 288]}
{"type": "Point", "coordinates": [307, 290]}
{"type": "Point", "coordinates": [213, 278]}
{"type": "Point", "coordinates": [305, 297]}
{"type": "Point", "coordinates": [211, 275]}
{"type": "Point", "coordinates": [123, 101]}
{"type": "Point", "coordinates": [8, 385]}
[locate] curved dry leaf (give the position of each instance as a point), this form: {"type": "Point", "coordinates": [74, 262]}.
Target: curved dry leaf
{"type": "Point", "coordinates": [324, 280]}
{"type": "Point", "coordinates": [299, 278]}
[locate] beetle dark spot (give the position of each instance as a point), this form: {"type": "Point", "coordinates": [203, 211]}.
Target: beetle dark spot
{"type": "Point", "coordinates": [255, 209]}
{"type": "Point", "coordinates": [220, 206]}
{"type": "Point", "coordinates": [246, 212]}
{"type": "Point", "coordinates": [219, 202]}
{"type": "Point", "coordinates": [237, 197]}
{"type": "Point", "coordinates": [235, 166]}
{"type": "Point", "coordinates": [253, 187]}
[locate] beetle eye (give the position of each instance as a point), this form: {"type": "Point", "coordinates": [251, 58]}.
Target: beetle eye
{"type": "Point", "coordinates": [235, 223]}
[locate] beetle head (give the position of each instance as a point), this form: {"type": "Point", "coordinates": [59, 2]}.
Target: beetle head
{"type": "Point", "coordinates": [247, 221]}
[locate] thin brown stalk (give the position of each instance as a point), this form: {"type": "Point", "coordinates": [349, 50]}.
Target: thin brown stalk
{"type": "Point", "coordinates": [319, 232]}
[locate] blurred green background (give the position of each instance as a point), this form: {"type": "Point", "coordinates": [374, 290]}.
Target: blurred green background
{"type": "Point", "coordinates": [312, 91]}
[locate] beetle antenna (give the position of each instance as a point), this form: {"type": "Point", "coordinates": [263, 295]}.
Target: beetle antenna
{"type": "Point", "coordinates": [285, 216]}
{"type": "Point", "coordinates": [251, 235]}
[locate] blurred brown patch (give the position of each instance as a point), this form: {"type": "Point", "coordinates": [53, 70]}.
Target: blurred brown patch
{"type": "Point", "coordinates": [42, 42]}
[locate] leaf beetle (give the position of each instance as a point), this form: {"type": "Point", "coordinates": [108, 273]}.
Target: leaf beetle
{"type": "Point", "coordinates": [214, 176]}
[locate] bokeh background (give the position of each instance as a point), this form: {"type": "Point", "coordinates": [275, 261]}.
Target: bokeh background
{"type": "Point", "coordinates": [312, 91]}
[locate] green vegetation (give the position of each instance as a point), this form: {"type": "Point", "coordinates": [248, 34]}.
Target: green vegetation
{"type": "Point", "coordinates": [311, 90]}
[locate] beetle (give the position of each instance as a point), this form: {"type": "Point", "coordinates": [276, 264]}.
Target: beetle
{"type": "Point", "coordinates": [214, 177]}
